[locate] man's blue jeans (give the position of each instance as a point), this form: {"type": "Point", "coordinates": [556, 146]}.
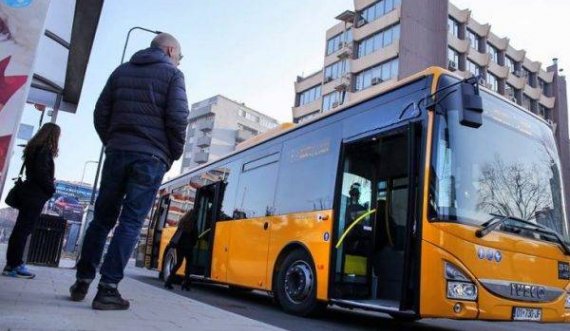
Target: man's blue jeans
{"type": "Point", "coordinates": [129, 184]}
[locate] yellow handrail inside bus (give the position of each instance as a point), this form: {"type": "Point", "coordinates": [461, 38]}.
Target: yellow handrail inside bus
{"type": "Point", "coordinates": [203, 234]}
{"type": "Point", "coordinates": [356, 221]}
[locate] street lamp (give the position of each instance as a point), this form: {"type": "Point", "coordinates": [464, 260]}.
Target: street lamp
{"type": "Point", "coordinates": [85, 166]}
{"type": "Point", "coordinates": [100, 162]}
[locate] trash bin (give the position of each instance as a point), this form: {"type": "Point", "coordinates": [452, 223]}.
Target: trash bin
{"type": "Point", "coordinates": [46, 241]}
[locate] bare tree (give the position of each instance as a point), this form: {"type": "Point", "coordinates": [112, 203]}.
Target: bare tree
{"type": "Point", "coordinates": [513, 189]}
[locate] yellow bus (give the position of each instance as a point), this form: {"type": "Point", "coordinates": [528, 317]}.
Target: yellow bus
{"type": "Point", "coordinates": [431, 198]}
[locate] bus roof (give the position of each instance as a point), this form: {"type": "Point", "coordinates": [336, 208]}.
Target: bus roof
{"type": "Point", "coordinates": [288, 127]}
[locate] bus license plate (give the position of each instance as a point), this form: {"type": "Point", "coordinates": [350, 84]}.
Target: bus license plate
{"type": "Point", "coordinates": [527, 314]}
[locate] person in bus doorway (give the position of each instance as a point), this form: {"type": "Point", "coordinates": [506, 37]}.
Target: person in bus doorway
{"type": "Point", "coordinates": [183, 240]}
{"type": "Point", "coordinates": [141, 118]}
{"type": "Point", "coordinates": [356, 237]}
{"type": "Point", "coordinates": [36, 190]}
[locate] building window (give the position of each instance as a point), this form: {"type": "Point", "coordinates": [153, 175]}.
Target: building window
{"type": "Point", "coordinates": [527, 102]}
{"type": "Point", "coordinates": [268, 123]}
{"type": "Point", "coordinates": [453, 26]}
{"type": "Point", "coordinates": [335, 43]}
{"type": "Point", "coordinates": [335, 70]}
{"type": "Point", "coordinates": [379, 40]}
{"type": "Point", "coordinates": [248, 116]}
{"type": "Point", "coordinates": [473, 68]}
{"type": "Point", "coordinates": [377, 10]}
{"type": "Point", "coordinates": [248, 129]}
{"type": "Point", "coordinates": [307, 117]}
{"type": "Point", "coordinates": [377, 74]}
{"type": "Point", "coordinates": [528, 76]}
{"type": "Point", "coordinates": [492, 82]}
{"type": "Point", "coordinates": [494, 52]}
{"type": "Point", "coordinates": [331, 100]}
{"type": "Point", "coordinates": [453, 58]}
{"type": "Point", "coordinates": [511, 64]}
{"type": "Point", "coordinates": [473, 39]}
{"type": "Point", "coordinates": [309, 95]}
{"type": "Point", "coordinates": [543, 86]}
{"type": "Point", "coordinates": [510, 92]}
{"type": "Point", "coordinates": [544, 112]}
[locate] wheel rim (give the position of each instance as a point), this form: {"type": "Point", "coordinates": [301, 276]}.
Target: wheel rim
{"type": "Point", "coordinates": [298, 282]}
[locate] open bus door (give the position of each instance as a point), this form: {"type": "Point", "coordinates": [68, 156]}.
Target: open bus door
{"type": "Point", "coordinates": [154, 234]}
{"type": "Point", "coordinates": [207, 205]}
{"type": "Point", "coordinates": [376, 255]}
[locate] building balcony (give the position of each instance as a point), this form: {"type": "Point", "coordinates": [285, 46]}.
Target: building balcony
{"type": "Point", "coordinates": [516, 81]}
{"type": "Point", "coordinates": [303, 84]}
{"type": "Point", "coordinates": [381, 23]}
{"type": "Point", "coordinates": [532, 92]}
{"type": "Point", "coordinates": [372, 59]}
{"type": "Point", "coordinates": [243, 135]}
{"type": "Point", "coordinates": [203, 141]}
{"type": "Point", "coordinates": [547, 102]}
{"type": "Point", "coordinates": [460, 45]}
{"type": "Point", "coordinates": [199, 112]}
{"type": "Point", "coordinates": [547, 76]}
{"type": "Point", "coordinates": [200, 157]}
{"type": "Point", "coordinates": [501, 72]}
{"type": "Point", "coordinates": [481, 59]}
{"type": "Point", "coordinates": [205, 126]}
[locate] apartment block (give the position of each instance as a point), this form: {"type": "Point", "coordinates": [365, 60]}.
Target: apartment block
{"type": "Point", "coordinates": [216, 126]}
{"type": "Point", "coordinates": [380, 42]}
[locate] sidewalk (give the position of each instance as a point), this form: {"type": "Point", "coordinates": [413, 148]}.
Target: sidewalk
{"type": "Point", "coordinates": [43, 304]}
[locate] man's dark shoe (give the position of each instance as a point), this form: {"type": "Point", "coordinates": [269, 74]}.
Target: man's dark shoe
{"type": "Point", "coordinates": [79, 290]}
{"type": "Point", "coordinates": [109, 298]}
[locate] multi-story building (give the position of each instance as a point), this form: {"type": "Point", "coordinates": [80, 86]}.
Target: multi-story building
{"type": "Point", "coordinates": [380, 42]}
{"type": "Point", "coordinates": [216, 126]}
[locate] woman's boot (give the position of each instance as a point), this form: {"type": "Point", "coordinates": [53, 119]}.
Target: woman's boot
{"type": "Point", "coordinates": [168, 283]}
{"type": "Point", "coordinates": [186, 284]}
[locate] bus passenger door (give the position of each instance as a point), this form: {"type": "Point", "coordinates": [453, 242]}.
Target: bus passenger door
{"type": "Point", "coordinates": [206, 205]}
{"type": "Point", "coordinates": [154, 235]}
{"type": "Point", "coordinates": [375, 221]}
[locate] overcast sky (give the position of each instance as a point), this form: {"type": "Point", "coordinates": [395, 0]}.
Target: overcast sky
{"type": "Point", "coordinates": [252, 50]}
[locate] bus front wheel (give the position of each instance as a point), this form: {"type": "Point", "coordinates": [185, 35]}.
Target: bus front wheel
{"type": "Point", "coordinates": [296, 284]}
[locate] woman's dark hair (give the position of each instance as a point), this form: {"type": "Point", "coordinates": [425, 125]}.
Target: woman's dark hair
{"type": "Point", "coordinates": [47, 136]}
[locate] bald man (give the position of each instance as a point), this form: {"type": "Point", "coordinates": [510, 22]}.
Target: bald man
{"type": "Point", "coordinates": [141, 118]}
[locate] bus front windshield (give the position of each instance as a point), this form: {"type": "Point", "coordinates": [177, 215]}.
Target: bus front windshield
{"type": "Point", "coordinates": [508, 166]}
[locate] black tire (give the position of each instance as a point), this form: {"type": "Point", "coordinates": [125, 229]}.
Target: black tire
{"type": "Point", "coordinates": [168, 262]}
{"type": "Point", "coordinates": [296, 284]}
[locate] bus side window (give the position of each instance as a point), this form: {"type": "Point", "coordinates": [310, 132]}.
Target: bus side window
{"type": "Point", "coordinates": [256, 188]}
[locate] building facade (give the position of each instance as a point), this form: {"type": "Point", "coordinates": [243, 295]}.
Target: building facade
{"type": "Point", "coordinates": [216, 126]}
{"type": "Point", "coordinates": [380, 42]}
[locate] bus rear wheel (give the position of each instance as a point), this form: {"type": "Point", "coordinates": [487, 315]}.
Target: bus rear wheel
{"type": "Point", "coordinates": [168, 263]}
{"type": "Point", "coordinates": [296, 284]}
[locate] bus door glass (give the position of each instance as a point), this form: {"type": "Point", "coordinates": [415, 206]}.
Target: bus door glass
{"type": "Point", "coordinates": [372, 220]}
{"type": "Point", "coordinates": [154, 234]}
{"type": "Point", "coordinates": [207, 206]}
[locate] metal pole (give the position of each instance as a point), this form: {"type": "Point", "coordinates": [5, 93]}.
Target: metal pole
{"type": "Point", "coordinates": [85, 166]}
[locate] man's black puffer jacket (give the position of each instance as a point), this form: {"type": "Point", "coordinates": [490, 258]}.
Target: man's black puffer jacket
{"type": "Point", "coordinates": [143, 107]}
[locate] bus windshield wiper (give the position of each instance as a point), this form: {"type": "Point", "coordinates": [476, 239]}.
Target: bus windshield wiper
{"type": "Point", "coordinates": [498, 220]}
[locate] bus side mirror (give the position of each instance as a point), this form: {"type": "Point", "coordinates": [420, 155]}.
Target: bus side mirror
{"type": "Point", "coordinates": [471, 114]}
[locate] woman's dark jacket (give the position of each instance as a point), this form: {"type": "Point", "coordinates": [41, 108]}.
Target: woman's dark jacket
{"type": "Point", "coordinates": [39, 185]}
{"type": "Point", "coordinates": [186, 234]}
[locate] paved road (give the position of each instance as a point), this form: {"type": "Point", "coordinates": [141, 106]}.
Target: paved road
{"type": "Point", "coordinates": [259, 306]}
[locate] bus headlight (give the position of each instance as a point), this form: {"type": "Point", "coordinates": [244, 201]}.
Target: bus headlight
{"type": "Point", "coordinates": [459, 286]}
{"type": "Point", "coordinates": [567, 305]}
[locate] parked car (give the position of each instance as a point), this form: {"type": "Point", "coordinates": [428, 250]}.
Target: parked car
{"type": "Point", "coordinates": [69, 208]}
{"type": "Point", "coordinates": [51, 201]}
